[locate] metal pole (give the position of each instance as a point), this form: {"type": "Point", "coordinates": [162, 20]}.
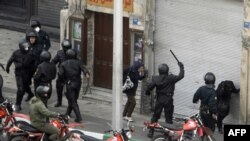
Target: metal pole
{"type": "Point", "coordinates": [117, 65]}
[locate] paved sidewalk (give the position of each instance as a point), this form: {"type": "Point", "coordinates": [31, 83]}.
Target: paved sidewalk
{"type": "Point", "coordinates": [9, 43]}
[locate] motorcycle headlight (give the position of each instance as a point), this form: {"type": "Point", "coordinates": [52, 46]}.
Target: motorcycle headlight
{"type": "Point", "coordinates": [129, 135]}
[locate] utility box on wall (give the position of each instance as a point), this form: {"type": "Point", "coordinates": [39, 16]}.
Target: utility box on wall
{"type": "Point", "coordinates": [78, 37]}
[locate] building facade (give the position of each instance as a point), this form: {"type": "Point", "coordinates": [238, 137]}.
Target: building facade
{"type": "Point", "coordinates": [16, 14]}
{"type": "Point", "coordinates": [205, 36]}
{"type": "Point", "coordinates": [89, 26]}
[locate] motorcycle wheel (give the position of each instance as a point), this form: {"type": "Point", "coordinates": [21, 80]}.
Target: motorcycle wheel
{"type": "Point", "coordinates": [17, 138]}
{"type": "Point", "coordinates": [9, 137]}
{"type": "Point", "coordinates": [161, 138]}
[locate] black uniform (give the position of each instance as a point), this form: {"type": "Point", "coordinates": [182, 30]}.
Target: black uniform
{"type": "Point", "coordinates": [224, 91]}
{"type": "Point", "coordinates": [24, 63]}
{"type": "Point", "coordinates": [70, 71]}
{"type": "Point", "coordinates": [45, 73]}
{"type": "Point", "coordinates": [35, 48]}
{"type": "Point", "coordinates": [208, 106]}
{"type": "Point", "coordinates": [43, 39]}
{"type": "Point", "coordinates": [58, 59]}
{"type": "Point", "coordinates": [165, 86]}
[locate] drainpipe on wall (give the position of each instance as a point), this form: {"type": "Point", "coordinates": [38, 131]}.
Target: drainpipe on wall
{"type": "Point", "coordinates": [147, 101]}
{"type": "Point", "coordinates": [244, 76]}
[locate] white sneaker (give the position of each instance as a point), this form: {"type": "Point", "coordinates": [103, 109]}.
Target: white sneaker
{"type": "Point", "coordinates": [130, 119]}
{"type": "Point", "coordinates": [125, 118]}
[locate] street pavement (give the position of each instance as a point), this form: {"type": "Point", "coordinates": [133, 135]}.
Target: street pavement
{"type": "Point", "coordinates": [96, 116]}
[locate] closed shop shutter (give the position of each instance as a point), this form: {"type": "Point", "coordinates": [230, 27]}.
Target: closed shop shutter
{"type": "Point", "coordinates": [49, 12]}
{"type": "Point", "coordinates": [205, 36]}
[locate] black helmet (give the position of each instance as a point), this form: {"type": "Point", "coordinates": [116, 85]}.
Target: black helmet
{"type": "Point", "coordinates": [24, 45]}
{"type": "Point", "coordinates": [209, 78]}
{"type": "Point", "coordinates": [163, 69]}
{"type": "Point", "coordinates": [35, 23]}
{"type": "Point", "coordinates": [31, 33]}
{"type": "Point", "coordinates": [66, 44]}
{"type": "Point", "coordinates": [45, 56]}
{"type": "Point", "coordinates": [41, 91]}
{"type": "Point", "coordinates": [71, 54]}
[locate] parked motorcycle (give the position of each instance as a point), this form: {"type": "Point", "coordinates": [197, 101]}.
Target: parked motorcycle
{"type": "Point", "coordinates": [124, 134]}
{"type": "Point", "coordinates": [8, 117]}
{"type": "Point", "coordinates": [190, 130]}
{"type": "Point", "coordinates": [26, 132]}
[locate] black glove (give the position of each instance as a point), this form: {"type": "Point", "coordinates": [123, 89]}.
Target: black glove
{"type": "Point", "coordinates": [8, 70]}
{"type": "Point", "coordinates": [180, 65]}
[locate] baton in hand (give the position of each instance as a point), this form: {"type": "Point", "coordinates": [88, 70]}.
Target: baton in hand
{"type": "Point", "coordinates": [174, 56]}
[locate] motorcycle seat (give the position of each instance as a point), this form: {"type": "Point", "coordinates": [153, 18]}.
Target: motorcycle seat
{"type": "Point", "coordinates": [174, 126]}
{"type": "Point", "coordinates": [28, 127]}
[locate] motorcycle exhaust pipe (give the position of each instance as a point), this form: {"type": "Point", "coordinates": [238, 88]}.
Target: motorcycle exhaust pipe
{"type": "Point", "coordinates": [171, 133]}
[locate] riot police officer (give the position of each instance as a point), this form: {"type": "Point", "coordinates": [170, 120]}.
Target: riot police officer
{"type": "Point", "coordinates": [36, 49]}
{"type": "Point", "coordinates": [24, 63]}
{"type": "Point", "coordinates": [43, 37]}
{"type": "Point", "coordinates": [70, 71]}
{"type": "Point", "coordinates": [58, 59]}
{"type": "Point", "coordinates": [165, 86]}
{"type": "Point", "coordinates": [45, 73]}
{"type": "Point", "coordinates": [207, 95]}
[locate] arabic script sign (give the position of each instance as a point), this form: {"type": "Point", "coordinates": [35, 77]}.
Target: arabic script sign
{"type": "Point", "coordinates": [127, 4]}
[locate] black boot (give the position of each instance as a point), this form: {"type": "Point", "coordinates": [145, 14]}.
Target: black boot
{"type": "Point", "coordinates": [150, 133]}
{"type": "Point", "coordinates": [30, 94]}
{"type": "Point", "coordinates": [77, 113]}
{"type": "Point", "coordinates": [58, 104]}
{"type": "Point", "coordinates": [69, 110]}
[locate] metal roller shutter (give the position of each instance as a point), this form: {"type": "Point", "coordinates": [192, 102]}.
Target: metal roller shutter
{"type": "Point", "coordinates": [49, 11]}
{"type": "Point", "coordinates": [205, 36]}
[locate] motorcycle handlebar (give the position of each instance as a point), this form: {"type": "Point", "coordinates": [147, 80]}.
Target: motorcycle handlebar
{"type": "Point", "coordinates": [4, 103]}
{"type": "Point", "coordinates": [195, 115]}
{"type": "Point", "coordinates": [108, 131]}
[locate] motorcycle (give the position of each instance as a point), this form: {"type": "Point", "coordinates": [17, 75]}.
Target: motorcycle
{"type": "Point", "coordinates": [8, 117]}
{"type": "Point", "coordinates": [189, 130]}
{"type": "Point", "coordinates": [121, 135]}
{"type": "Point", "coordinates": [27, 132]}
